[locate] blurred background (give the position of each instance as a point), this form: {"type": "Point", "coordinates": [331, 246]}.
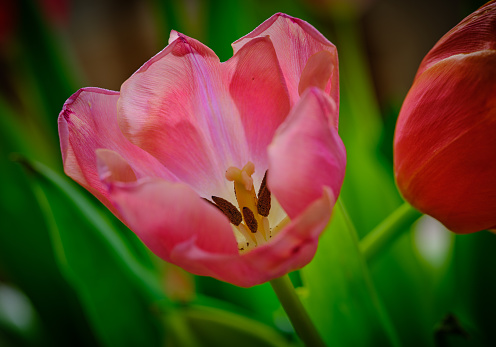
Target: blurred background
{"type": "Point", "coordinates": [72, 277]}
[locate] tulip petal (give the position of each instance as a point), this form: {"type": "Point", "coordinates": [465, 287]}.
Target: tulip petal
{"type": "Point", "coordinates": [88, 122]}
{"type": "Point", "coordinates": [295, 42]}
{"type": "Point", "coordinates": [474, 33]}
{"type": "Point", "coordinates": [290, 250]}
{"type": "Point", "coordinates": [258, 90]}
{"type": "Point", "coordinates": [445, 151]}
{"type": "Point", "coordinates": [113, 167]}
{"type": "Point", "coordinates": [317, 71]}
{"type": "Point", "coordinates": [166, 216]}
{"type": "Point", "coordinates": [177, 107]}
{"type": "Point", "coordinates": [307, 154]}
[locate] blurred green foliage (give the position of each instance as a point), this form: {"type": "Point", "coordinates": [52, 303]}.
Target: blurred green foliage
{"type": "Point", "coordinates": [90, 282]}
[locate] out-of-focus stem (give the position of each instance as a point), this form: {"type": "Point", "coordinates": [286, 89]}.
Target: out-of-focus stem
{"type": "Point", "coordinates": [297, 314]}
{"type": "Point", "coordinates": [388, 231]}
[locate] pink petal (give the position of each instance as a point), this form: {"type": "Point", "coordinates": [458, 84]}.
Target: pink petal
{"type": "Point", "coordinates": [113, 167]}
{"type": "Point", "coordinates": [317, 71]}
{"type": "Point", "coordinates": [166, 216]}
{"type": "Point", "coordinates": [307, 154]}
{"type": "Point", "coordinates": [177, 108]}
{"type": "Point", "coordinates": [87, 122]}
{"type": "Point", "coordinates": [258, 90]}
{"type": "Point", "coordinates": [290, 250]}
{"type": "Point", "coordinates": [295, 41]}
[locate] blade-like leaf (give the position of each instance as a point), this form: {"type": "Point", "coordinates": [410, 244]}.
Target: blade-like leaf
{"type": "Point", "coordinates": [26, 253]}
{"type": "Point", "coordinates": [341, 299]}
{"type": "Point", "coordinates": [120, 295]}
{"type": "Point", "coordinates": [214, 327]}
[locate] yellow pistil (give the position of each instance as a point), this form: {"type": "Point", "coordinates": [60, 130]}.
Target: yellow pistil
{"type": "Point", "coordinates": [249, 220]}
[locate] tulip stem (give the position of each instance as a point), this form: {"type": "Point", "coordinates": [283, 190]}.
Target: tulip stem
{"type": "Point", "coordinates": [179, 331]}
{"type": "Point", "coordinates": [383, 235]}
{"type": "Point", "coordinates": [297, 314]}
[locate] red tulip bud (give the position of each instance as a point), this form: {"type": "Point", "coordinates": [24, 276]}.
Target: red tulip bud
{"type": "Point", "coordinates": [445, 140]}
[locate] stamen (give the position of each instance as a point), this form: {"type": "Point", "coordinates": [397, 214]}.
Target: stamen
{"type": "Point", "coordinates": [264, 183]}
{"type": "Point", "coordinates": [243, 243]}
{"type": "Point", "coordinates": [254, 224]}
{"type": "Point", "coordinates": [246, 233]}
{"type": "Point", "coordinates": [285, 221]}
{"type": "Point", "coordinates": [263, 204]}
{"type": "Point", "coordinates": [213, 204]}
{"type": "Point", "coordinates": [266, 225]}
{"type": "Point", "coordinates": [250, 220]}
{"type": "Point", "coordinates": [228, 209]}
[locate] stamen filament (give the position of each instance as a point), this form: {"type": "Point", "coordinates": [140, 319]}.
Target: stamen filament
{"type": "Point", "coordinates": [285, 221]}
{"type": "Point", "coordinates": [247, 234]}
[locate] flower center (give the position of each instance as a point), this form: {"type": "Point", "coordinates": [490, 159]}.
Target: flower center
{"type": "Point", "coordinates": [250, 223]}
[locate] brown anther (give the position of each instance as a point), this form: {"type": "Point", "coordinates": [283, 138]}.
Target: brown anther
{"type": "Point", "coordinates": [228, 209]}
{"type": "Point", "coordinates": [250, 220]}
{"type": "Point", "coordinates": [213, 204]}
{"type": "Point", "coordinates": [263, 184]}
{"type": "Point", "coordinates": [263, 204]}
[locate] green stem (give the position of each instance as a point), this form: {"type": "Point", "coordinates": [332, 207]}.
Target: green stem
{"type": "Point", "coordinates": [179, 331]}
{"type": "Point", "coordinates": [297, 314]}
{"type": "Point", "coordinates": [388, 231]}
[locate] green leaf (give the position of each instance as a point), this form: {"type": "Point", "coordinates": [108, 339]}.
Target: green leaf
{"type": "Point", "coordinates": [473, 286]}
{"type": "Point", "coordinates": [341, 299]}
{"type": "Point", "coordinates": [45, 62]}
{"type": "Point", "coordinates": [257, 301]}
{"type": "Point", "coordinates": [26, 253]}
{"type": "Point", "coordinates": [120, 295]}
{"type": "Point", "coordinates": [368, 189]}
{"type": "Point", "coordinates": [214, 327]}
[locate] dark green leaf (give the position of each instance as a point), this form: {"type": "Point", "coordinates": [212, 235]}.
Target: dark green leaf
{"type": "Point", "coordinates": [120, 295]}
{"type": "Point", "coordinates": [214, 327]}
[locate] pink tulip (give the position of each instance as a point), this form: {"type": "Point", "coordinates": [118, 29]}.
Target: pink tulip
{"type": "Point", "coordinates": [445, 143]}
{"type": "Point", "coordinates": [229, 170]}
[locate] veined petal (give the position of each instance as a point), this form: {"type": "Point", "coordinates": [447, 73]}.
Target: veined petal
{"type": "Point", "coordinates": [475, 33]}
{"type": "Point", "coordinates": [306, 154]}
{"type": "Point", "coordinates": [445, 154]}
{"type": "Point", "coordinates": [257, 86]}
{"type": "Point", "coordinates": [177, 107]}
{"type": "Point", "coordinates": [166, 215]}
{"type": "Point", "coordinates": [290, 250]}
{"type": "Point", "coordinates": [88, 122]}
{"type": "Point", "coordinates": [295, 42]}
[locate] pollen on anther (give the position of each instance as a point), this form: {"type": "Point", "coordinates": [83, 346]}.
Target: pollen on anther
{"type": "Point", "coordinates": [250, 220]}
{"type": "Point", "coordinates": [263, 204]}
{"type": "Point", "coordinates": [263, 184]}
{"type": "Point", "coordinates": [228, 209]}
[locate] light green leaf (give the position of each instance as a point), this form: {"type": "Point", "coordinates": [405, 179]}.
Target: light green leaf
{"type": "Point", "coordinates": [341, 299]}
